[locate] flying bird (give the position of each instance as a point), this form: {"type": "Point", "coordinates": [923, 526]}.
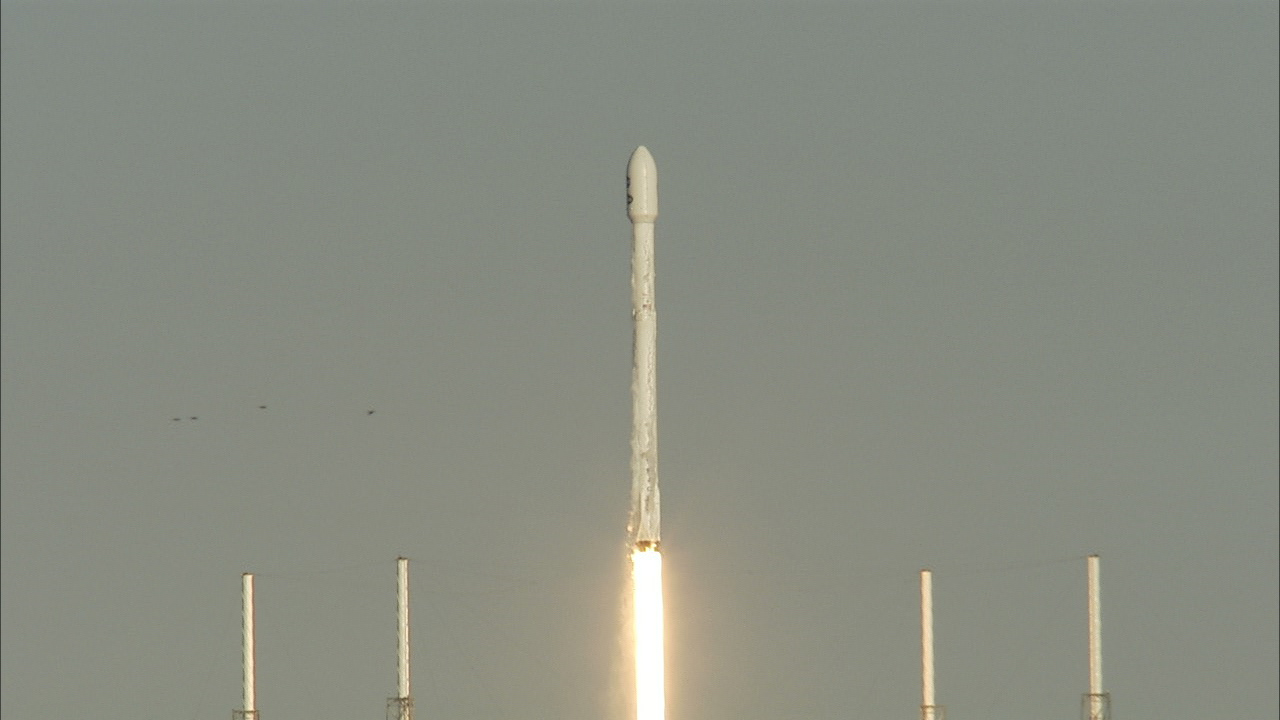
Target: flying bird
{"type": "Point", "coordinates": [369, 413]}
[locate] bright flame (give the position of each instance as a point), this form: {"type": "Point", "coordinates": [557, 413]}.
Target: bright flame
{"type": "Point", "coordinates": [647, 578]}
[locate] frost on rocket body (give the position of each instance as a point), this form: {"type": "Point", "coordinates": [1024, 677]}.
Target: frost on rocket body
{"type": "Point", "coordinates": [642, 208]}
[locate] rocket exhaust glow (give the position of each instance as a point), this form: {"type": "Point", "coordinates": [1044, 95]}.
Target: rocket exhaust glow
{"type": "Point", "coordinates": [646, 569]}
{"type": "Point", "coordinates": [644, 527]}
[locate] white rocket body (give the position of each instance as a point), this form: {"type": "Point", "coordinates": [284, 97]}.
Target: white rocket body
{"type": "Point", "coordinates": [247, 636]}
{"type": "Point", "coordinates": [1098, 700]}
{"type": "Point", "coordinates": [642, 209]}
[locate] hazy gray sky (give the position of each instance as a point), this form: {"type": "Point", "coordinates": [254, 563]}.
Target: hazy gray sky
{"type": "Point", "coordinates": [977, 286]}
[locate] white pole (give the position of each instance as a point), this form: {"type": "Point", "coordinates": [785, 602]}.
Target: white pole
{"type": "Point", "coordinates": [927, 706]}
{"type": "Point", "coordinates": [246, 598]}
{"type": "Point", "coordinates": [402, 623]}
{"type": "Point", "coordinates": [642, 209]}
{"type": "Point", "coordinates": [1096, 704]}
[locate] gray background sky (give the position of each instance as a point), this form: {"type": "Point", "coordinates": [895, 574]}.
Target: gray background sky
{"type": "Point", "coordinates": [976, 286]}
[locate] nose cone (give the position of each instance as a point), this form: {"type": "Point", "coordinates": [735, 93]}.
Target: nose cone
{"type": "Point", "coordinates": [642, 186]}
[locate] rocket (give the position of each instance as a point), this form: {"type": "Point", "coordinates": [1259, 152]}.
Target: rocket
{"type": "Point", "coordinates": [642, 209]}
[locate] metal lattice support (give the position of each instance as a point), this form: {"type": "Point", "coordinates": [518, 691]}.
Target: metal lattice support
{"type": "Point", "coordinates": [933, 712]}
{"type": "Point", "coordinates": [1095, 706]}
{"type": "Point", "coordinates": [244, 715]}
{"type": "Point", "coordinates": [400, 708]}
